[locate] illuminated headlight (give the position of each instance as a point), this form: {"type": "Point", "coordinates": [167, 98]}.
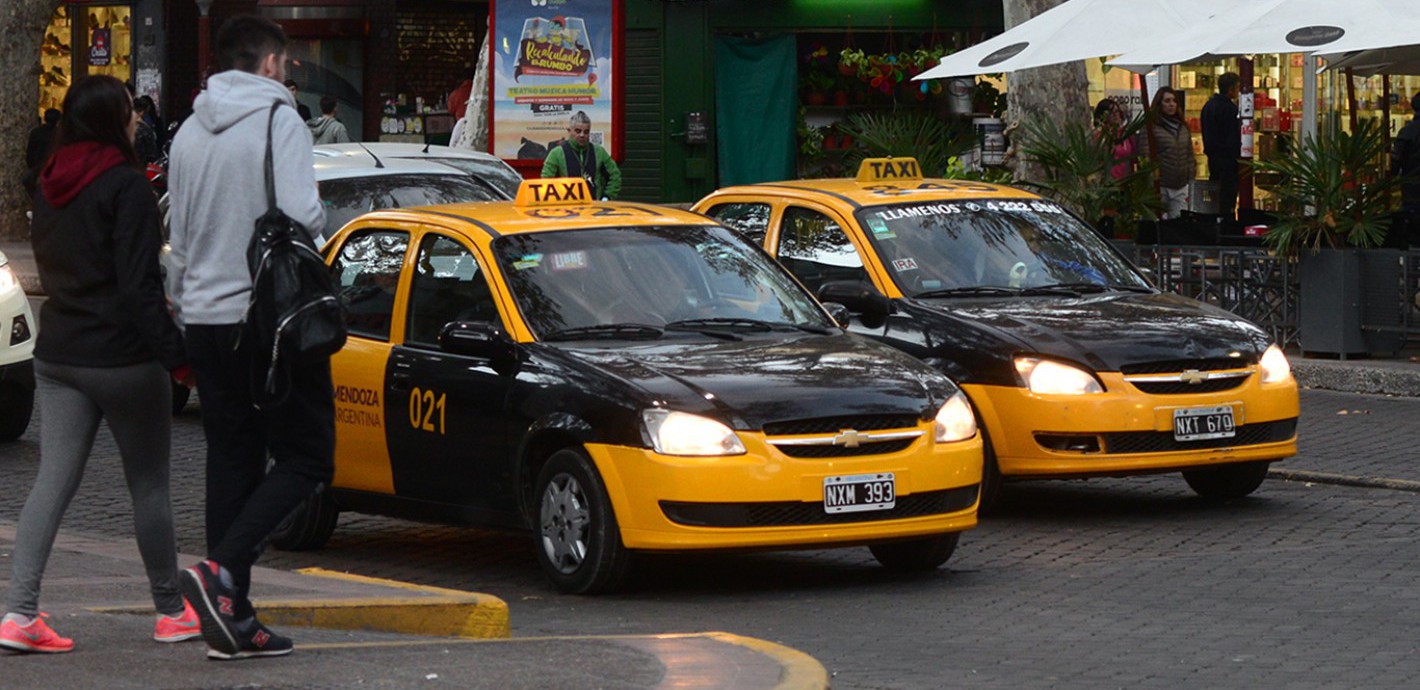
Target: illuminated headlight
{"type": "Point", "coordinates": [955, 421]}
{"type": "Point", "coordinates": [1055, 378]}
{"type": "Point", "coordinates": [681, 433]}
{"type": "Point", "coordinates": [1274, 365]}
{"type": "Point", "coordinates": [7, 278]}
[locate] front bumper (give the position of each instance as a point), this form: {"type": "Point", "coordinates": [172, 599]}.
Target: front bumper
{"type": "Point", "coordinates": [1131, 432]}
{"type": "Point", "coordinates": [766, 499]}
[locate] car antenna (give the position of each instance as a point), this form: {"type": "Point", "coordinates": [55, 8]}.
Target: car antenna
{"type": "Point", "coordinates": [426, 148]}
{"type": "Point", "coordinates": [378, 163]}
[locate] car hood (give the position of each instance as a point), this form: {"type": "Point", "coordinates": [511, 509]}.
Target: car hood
{"type": "Point", "coordinates": [1109, 331]}
{"type": "Point", "coordinates": [769, 378]}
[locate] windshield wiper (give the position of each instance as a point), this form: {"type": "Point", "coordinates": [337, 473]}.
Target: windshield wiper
{"type": "Point", "coordinates": [1065, 289]}
{"type": "Point", "coordinates": [1133, 288]}
{"type": "Point", "coordinates": [615, 331]}
{"type": "Point", "coordinates": [969, 291]}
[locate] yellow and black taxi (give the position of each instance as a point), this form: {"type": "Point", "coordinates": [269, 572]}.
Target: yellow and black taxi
{"type": "Point", "coordinates": [1075, 364]}
{"type": "Point", "coordinates": [620, 377]}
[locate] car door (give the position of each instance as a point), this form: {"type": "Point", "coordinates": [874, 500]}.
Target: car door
{"type": "Point", "coordinates": [448, 430]}
{"type": "Point", "coordinates": [365, 268]}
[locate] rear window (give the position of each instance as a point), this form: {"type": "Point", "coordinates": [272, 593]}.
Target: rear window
{"type": "Point", "coordinates": [495, 173]}
{"type": "Point", "coordinates": [347, 198]}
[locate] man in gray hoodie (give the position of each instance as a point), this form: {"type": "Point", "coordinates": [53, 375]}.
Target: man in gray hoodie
{"type": "Point", "coordinates": [326, 129]}
{"type": "Point", "coordinates": [218, 190]}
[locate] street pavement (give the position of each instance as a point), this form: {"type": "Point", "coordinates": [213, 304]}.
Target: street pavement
{"type": "Point", "coordinates": [1312, 582]}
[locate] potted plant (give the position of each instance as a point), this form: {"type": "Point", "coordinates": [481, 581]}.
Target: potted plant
{"type": "Point", "coordinates": [907, 132]}
{"type": "Point", "coordinates": [1076, 162]}
{"type": "Point", "coordinates": [1335, 201]}
{"type": "Point", "coordinates": [816, 86]}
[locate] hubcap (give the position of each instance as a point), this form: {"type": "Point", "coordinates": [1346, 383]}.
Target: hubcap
{"type": "Point", "coordinates": [565, 521]}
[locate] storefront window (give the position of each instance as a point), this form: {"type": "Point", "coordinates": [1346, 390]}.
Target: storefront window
{"type": "Point", "coordinates": [104, 39]}
{"type": "Point", "coordinates": [56, 61]}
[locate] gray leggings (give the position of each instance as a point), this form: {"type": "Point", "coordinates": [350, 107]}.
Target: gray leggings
{"type": "Point", "coordinates": [136, 402]}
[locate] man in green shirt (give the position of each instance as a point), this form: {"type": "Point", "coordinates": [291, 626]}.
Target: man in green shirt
{"type": "Point", "coordinates": [578, 157]}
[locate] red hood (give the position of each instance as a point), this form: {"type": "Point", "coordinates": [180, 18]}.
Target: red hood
{"type": "Point", "coordinates": [72, 169]}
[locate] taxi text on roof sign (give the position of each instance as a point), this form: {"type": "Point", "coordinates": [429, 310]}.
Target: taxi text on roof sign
{"type": "Point", "coordinates": [554, 191]}
{"type": "Point", "coordinates": [884, 169]}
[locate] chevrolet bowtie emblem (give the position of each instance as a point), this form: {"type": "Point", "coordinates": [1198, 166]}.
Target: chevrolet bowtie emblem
{"type": "Point", "coordinates": [1193, 377]}
{"type": "Point", "coordinates": [850, 438]}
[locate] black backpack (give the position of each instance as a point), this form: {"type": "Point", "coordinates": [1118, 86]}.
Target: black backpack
{"type": "Point", "coordinates": [294, 315]}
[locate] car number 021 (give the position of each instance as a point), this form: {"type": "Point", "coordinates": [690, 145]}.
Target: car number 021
{"type": "Point", "coordinates": [859, 492]}
{"type": "Point", "coordinates": [426, 410]}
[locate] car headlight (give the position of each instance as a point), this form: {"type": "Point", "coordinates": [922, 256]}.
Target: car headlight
{"type": "Point", "coordinates": [7, 278]}
{"type": "Point", "coordinates": [955, 421]}
{"type": "Point", "coordinates": [1055, 378]}
{"type": "Point", "coordinates": [682, 433]}
{"type": "Point", "coordinates": [1274, 365]}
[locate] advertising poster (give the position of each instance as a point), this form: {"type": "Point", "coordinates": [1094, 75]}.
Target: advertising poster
{"type": "Point", "coordinates": [551, 58]}
{"type": "Point", "coordinates": [100, 48]}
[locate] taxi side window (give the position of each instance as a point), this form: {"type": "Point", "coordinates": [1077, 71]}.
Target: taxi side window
{"type": "Point", "coordinates": [816, 250]}
{"type": "Point", "coordinates": [448, 285]}
{"type": "Point", "coordinates": [366, 275]}
{"type": "Point", "coordinates": [748, 219]}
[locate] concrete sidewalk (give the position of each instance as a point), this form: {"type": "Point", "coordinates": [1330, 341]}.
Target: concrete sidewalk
{"type": "Point", "coordinates": [1399, 375]}
{"type": "Point", "coordinates": [351, 630]}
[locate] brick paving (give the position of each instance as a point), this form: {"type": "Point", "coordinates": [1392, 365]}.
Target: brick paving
{"type": "Point", "coordinates": [1123, 582]}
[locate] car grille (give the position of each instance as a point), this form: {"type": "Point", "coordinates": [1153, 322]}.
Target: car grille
{"type": "Point", "coordinates": [879, 448]}
{"type": "Point", "coordinates": [1175, 366]}
{"type": "Point", "coordinates": [1163, 441]}
{"type": "Point", "coordinates": [1181, 388]}
{"type": "Point", "coordinates": [833, 425]}
{"type": "Point", "coordinates": [792, 513]}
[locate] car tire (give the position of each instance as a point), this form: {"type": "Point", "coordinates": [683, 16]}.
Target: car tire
{"type": "Point", "coordinates": [917, 555]}
{"type": "Point", "coordinates": [577, 537]}
{"type": "Point", "coordinates": [181, 394]}
{"type": "Point", "coordinates": [309, 526]}
{"type": "Point", "coordinates": [1227, 481]}
{"type": "Point", "coordinates": [17, 404]}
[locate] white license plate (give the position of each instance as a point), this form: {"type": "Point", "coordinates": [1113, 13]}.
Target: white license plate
{"type": "Point", "coordinates": [1202, 423]}
{"type": "Point", "coordinates": [859, 492]}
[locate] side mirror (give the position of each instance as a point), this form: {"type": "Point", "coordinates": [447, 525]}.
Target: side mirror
{"type": "Point", "coordinates": [839, 313]}
{"type": "Point", "coordinates": [859, 297]}
{"type": "Point", "coordinates": [480, 339]}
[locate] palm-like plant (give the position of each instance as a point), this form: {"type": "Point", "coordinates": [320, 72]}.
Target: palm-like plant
{"type": "Point", "coordinates": [903, 133]}
{"type": "Point", "coordinates": [1076, 161]}
{"type": "Point", "coordinates": [1333, 190]}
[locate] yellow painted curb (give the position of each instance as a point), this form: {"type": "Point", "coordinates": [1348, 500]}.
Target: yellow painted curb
{"type": "Point", "coordinates": [801, 671]}
{"type": "Point", "coordinates": [440, 612]}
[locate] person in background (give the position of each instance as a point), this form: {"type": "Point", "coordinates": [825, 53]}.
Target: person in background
{"type": "Point", "coordinates": [41, 140]}
{"type": "Point", "coordinates": [218, 191]}
{"type": "Point", "coordinates": [1405, 160]}
{"type": "Point", "coordinates": [105, 354]}
{"type": "Point", "coordinates": [1222, 142]}
{"type": "Point", "coordinates": [1172, 144]}
{"type": "Point", "coordinates": [326, 129]}
{"type": "Point", "coordinates": [1109, 125]}
{"type": "Point", "coordinates": [579, 157]}
{"type": "Point", "coordinates": [301, 108]}
{"type": "Point", "coordinates": [145, 140]}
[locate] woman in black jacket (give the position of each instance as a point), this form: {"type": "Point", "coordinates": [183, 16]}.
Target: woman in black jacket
{"type": "Point", "coordinates": [105, 351]}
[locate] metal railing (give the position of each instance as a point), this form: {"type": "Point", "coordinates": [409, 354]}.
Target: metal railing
{"type": "Point", "coordinates": [1265, 289]}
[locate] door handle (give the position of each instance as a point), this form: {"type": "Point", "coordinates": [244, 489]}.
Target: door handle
{"type": "Point", "coordinates": [399, 377]}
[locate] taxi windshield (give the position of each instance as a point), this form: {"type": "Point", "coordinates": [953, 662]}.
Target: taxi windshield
{"type": "Point", "coordinates": [992, 246]}
{"type": "Point", "coordinates": [650, 278]}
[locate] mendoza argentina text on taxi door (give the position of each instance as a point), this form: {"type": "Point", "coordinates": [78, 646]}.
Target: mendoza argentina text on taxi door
{"type": "Point", "coordinates": [1076, 366]}
{"type": "Point", "coordinates": [618, 378]}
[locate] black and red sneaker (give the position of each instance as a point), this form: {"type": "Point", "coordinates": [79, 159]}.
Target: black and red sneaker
{"type": "Point", "coordinates": [255, 641]}
{"type": "Point", "coordinates": [215, 605]}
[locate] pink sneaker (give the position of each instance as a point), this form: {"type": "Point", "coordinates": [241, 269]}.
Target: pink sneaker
{"type": "Point", "coordinates": [180, 629]}
{"type": "Point", "coordinates": [35, 637]}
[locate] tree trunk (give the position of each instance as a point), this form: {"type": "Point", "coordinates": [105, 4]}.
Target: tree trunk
{"type": "Point", "coordinates": [22, 24]}
{"type": "Point", "coordinates": [1058, 92]}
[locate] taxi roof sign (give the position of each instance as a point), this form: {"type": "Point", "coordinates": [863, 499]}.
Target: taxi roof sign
{"type": "Point", "coordinates": [889, 169]}
{"type": "Point", "coordinates": [554, 191]}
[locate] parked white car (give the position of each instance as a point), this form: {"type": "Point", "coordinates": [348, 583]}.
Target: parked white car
{"type": "Point", "coordinates": [17, 345]}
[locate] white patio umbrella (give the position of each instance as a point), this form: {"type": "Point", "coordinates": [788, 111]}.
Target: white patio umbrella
{"type": "Point", "coordinates": [1076, 30]}
{"type": "Point", "coordinates": [1366, 63]}
{"type": "Point", "coordinates": [1285, 26]}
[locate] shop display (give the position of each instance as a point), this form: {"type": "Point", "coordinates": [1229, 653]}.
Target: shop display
{"type": "Point", "coordinates": [103, 36]}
